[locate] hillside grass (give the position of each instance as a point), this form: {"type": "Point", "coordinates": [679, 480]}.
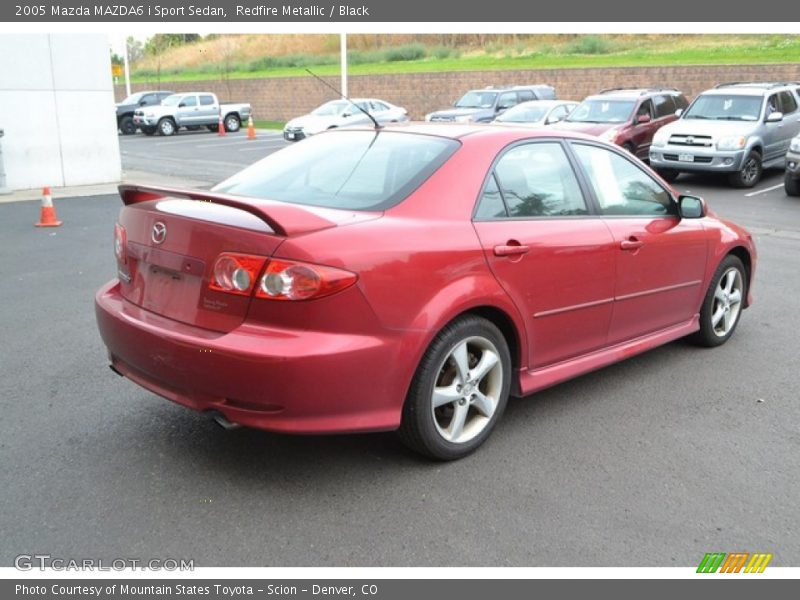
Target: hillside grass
{"type": "Point", "coordinates": [494, 53]}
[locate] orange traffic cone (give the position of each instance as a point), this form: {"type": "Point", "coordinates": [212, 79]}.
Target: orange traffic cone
{"type": "Point", "coordinates": [47, 215]}
{"type": "Point", "coordinates": [221, 127]}
{"type": "Point", "coordinates": [251, 130]}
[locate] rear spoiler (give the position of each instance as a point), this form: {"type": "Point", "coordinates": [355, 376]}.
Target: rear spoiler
{"type": "Point", "coordinates": [284, 219]}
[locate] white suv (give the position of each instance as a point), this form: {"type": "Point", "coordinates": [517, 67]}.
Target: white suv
{"type": "Point", "coordinates": [736, 128]}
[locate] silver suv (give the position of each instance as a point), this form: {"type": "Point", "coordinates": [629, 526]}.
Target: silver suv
{"type": "Point", "coordinates": [737, 128]}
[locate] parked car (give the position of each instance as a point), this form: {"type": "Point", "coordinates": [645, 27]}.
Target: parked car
{"type": "Point", "coordinates": [536, 113]}
{"type": "Point", "coordinates": [343, 113]}
{"type": "Point", "coordinates": [483, 106]}
{"type": "Point", "coordinates": [791, 180]}
{"type": "Point", "coordinates": [626, 117]}
{"type": "Point", "coordinates": [736, 128]}
{"type": "Point", "coordinates": [126, 108]}
{"type": "Point", "coordinates": [191, 110]}
{"type": "Point", "coordinates": [412, 278]}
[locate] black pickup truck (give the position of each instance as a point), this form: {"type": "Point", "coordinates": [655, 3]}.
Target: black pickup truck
{"type": "Point", "coordinates": [131, 103]}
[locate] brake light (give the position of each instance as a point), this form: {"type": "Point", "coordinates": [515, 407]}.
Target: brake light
{"type": "Point", "coordinates": [236, 273]}
{"type": "Point", "coordinates": [295, 280]}
{"type": "Point", "coordinates": [120, 243]}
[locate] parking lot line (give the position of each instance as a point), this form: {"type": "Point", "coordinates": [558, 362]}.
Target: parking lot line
{"type": "Point", "coordinates": [769, 189]}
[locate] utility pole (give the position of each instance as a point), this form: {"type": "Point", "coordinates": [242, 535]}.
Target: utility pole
{"type": "Point", "coordinates": [343, 55]}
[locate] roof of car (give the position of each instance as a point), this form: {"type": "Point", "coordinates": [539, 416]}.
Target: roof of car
{"type": "Point", "coordinates": [633, 93]}
{"type": "Point", "coordinates": [750, 88]}
{"type": "Point", "coordinates": [545, 103]}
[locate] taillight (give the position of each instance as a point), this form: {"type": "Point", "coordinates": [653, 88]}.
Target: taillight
{"type": "Point", "coordinates": [236, 273]}
{"type": "Point", "coordinates": [120, 243]}
{"type": "Point", "coordinates": [294, 280]}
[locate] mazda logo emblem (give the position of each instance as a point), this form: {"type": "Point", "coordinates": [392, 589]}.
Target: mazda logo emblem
{"type": "Point", "coordinates": [159, 233]}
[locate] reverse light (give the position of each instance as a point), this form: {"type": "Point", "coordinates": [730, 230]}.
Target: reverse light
{"type": "Point", "coordinates": [236, 273]}
{"type": "Point", "coordinates": [120, 243]}
{"type": "Point", "coordinates": [295, 280]}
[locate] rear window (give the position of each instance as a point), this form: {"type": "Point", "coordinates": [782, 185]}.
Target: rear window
{"type": "Point", "coordinates": [351, 170]}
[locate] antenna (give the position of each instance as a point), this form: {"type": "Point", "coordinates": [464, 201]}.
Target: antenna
{"type": "Point", "coordinates": [328, 85]}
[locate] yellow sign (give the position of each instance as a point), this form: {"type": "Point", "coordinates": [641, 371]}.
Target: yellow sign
{"type": "Point", "coordinates": [116, 70]}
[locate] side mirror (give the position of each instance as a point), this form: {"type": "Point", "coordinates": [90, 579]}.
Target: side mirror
{"type": "Point", "coordinates": [643, 119]}
{"type": "Point", "coordinates": [551, 120]}
{"type": "Point", "coordinates": [775, 117]}
{"type": "Point", "coordinates": [182, 105]}
{"type": "Point", "coordinates": [679, 112]}
{"type": "Point", "coordinates": [346, 114]}
{"type": "Point", "coordinates": [142, 103]}
{"type": "Point", "coordinates": [692, 207]}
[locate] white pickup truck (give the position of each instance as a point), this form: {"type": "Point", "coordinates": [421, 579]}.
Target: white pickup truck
{"type": "Point", "coordinates": [191, 110]}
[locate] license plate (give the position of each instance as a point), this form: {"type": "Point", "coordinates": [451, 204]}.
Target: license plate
{"type": "Point", "coordinates": [686, 157]}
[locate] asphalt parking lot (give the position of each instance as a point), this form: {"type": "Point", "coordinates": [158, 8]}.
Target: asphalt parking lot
{"type": "Point", "coordinates": [650, 462]}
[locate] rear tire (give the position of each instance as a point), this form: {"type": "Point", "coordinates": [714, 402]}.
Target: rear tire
{"type": "Point", "coordinates": [232, 123]}
{"type": "Point", "coordinates": [166, 127]}
{"type": "Point", "coordinates": [791, 185]}
{"type": "Point", "coordinates": [459, 391]}
{"type": "Point", "coordinates": [750, 173]}
{"type": "Point", "coordinates": [668, 175]}
{"type": "Point", "coordinates": [723, 304]}
{"type": "Point", "coordinates": [127, 126]}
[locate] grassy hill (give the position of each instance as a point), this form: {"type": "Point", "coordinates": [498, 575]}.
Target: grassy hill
{"type": "Point", "coordinates": [275, 55]}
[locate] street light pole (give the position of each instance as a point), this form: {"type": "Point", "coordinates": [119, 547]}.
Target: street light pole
{"type": "Point", "coordinates": [127, 71]}
{"type": "Point", "coordinates": [343, 56]}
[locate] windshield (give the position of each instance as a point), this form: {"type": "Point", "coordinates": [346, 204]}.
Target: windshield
{"type": "Point", "coordinates": [602, 111]}
{"type": "Point", "coordinates": [351, 170]}
{"type": "Point", "coordinates": [477, 100]}
{"type": "Point", "coordinates": [331, 109]}
{"type": "Point", "coordinates": [133, 98]}
{"type": "Point", "coordinates": [725, 108]}
{"type": "Point", "coordinates": [172, 100]}
{"type": "Point", "coordinates": [523, 114]}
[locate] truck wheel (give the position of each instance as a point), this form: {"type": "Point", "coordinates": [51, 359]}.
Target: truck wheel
{"type": "Point", "coordinates": [669, 175]}
{"type": "Point", "coordinates": [791, 185]}
{"type": "Point", "coordinates": [750, 173]}
{"type": "Point", "coordinates": [126, 126]}
{"type": "Point", "coordinates": [232, 123]}
{"type": "Point", "coordinates": [166, 126]}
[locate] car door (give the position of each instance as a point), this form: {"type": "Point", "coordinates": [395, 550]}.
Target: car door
{"type": "Point", "coordinates": [551, 255]}
{"type": "Point", "coordinates": [642, 133]}
{"type": "Point", "coordinates": [774, 131]}
{"type": "Point", "coordinates": [660, 258]}
{"type": "Point", "coordinates": [791, 120]}
{"type": "Point", "coordinates": [186, 112]}
{"type": "Point", "coordinates": [209, 110]}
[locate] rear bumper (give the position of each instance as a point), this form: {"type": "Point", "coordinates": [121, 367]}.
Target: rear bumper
{"type": "Point", "coordinates": [263, 377]}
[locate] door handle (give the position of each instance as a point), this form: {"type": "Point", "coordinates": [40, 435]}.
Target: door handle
{"type": "Point", "coordinates": [511, 249]}
{"type": "Point", "coordinates": [631, 244]}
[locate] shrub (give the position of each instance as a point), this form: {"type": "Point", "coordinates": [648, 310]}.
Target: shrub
{"type": "Point", "coordinates": [588, 44]}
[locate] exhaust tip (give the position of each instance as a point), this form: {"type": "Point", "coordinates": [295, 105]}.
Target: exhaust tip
{"type": "Point", "coordinates": [222, 421]}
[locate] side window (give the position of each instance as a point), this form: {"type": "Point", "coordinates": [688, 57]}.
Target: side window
{"type": "Point", "coordinates": [525, 95]}
{"type": "Point", "coordinates": [645, 108]}
{"type": "Point", "coordinates": [364, 105]}
{"type": "Point", "coordinates": [559, 112]}
{"type": "Point", "coordinates": [206, 100]}
{"type": "Point", "coordinates": [148, 99]}
{"type": "Point", "coordinates": [621, 187]}
{"type": "Point", "coordinates": [537, 180]}
{"type": "Point", "coordinates": [788, 103]}
{"type": "Point", "coordinates": [772, 105]}
{"type": "Point", "coordinates": [664, 106]}
{"type": "Point", "coordinates": [680, 102]}
{"type": "Point", "coordinates": [507, 100]}
{"type": "Point", "coordinates": [491, 204]}
{"type": "Point", "coordinates": [189, 101]}
{"type": "Point", "coordinates": [379, 106]}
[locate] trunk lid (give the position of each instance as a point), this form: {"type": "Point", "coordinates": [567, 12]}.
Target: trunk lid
{"type": "Point", "coordinates": [175, 236]}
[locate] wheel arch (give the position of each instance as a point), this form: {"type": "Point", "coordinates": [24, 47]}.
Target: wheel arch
{"type": "Point", "coordinates": [744, 255]}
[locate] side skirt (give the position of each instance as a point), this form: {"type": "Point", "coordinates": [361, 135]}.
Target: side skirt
{"type": "Point", "coordinates": [534, 380]}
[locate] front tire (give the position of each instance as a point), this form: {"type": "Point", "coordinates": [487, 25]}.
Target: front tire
{"type": "Point", "coordinates": [668, 175]}
{"type": "Point", "coordinates": [791, 185]}
{"type": "Point", "coordinates": [127, 126]}
{"type": "Point", "coordinates": [723, 303]}
{"type": "Point", "coordinates": [459, 391]}
{"type": "Point", "coordinates": [166, 127]}
{"type": "Point", "coordinates": [750, 173]}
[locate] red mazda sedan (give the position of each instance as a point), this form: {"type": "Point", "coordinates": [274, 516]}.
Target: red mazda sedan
{"type": "Point", "coordinates": [412, 278]}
